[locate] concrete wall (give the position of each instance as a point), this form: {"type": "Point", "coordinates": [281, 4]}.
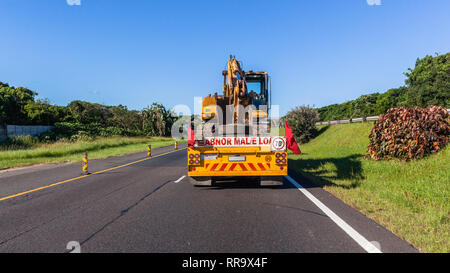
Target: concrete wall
{"type": "Point", "coordinates": [2, 133]}
{"type": "Point", "coordinates": [18, 130]}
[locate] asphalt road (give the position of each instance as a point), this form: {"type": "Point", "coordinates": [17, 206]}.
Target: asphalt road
{"type": "Point", "coordinates": [146, 207]}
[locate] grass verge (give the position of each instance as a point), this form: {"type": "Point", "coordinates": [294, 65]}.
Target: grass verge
{"type": "Point", "coordinates": [71, 151]}
{"type": "Point", "coordinates": [409, 198]}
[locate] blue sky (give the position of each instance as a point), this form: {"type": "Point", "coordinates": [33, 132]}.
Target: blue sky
{"type": "Point", "coordinates": [138, 52]}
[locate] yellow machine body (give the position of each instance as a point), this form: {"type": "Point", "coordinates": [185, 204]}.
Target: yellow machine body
{"type": "Point", "coordinates": [218, 162]}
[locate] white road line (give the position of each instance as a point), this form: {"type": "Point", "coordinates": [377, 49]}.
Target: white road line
{"type": "Point", "coordinates": [363, 242]}
{"type": "Point", "coordinates": [179, 179]}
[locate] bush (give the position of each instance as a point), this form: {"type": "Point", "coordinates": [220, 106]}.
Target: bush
{"type": "Point", "coordinates": [18, 142]}
{"type": "Point", "coordinates": [409, 133]}
{"type": "Point", "coordinates": [302, 121]}
{"type": "Point", "coordinates": [79, 131]}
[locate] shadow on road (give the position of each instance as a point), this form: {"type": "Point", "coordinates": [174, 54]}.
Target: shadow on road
{"type": "Point", "coordinates": [345, 168]}
{"type": "Point", "coordinates": [295, 208]}
{"type": "Point", "coordinates": [246, 184]}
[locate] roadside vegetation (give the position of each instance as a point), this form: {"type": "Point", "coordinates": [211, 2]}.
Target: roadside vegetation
{"type": "Point", "coordinates": [409, 198]}
{"type": "Point", "coordinates": [427, 84]}
{"type": "Point", "coordinates": [81, 119]}
{"type": "Point", "coordinates": [79, 127]}
{"type": "Point", "coordinates": [26, 150]}
{"type": "Point", "coordinates": [302, 121]}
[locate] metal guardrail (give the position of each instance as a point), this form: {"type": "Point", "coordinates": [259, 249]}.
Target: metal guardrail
{"type": "Point", "coordinates": [343, 121]}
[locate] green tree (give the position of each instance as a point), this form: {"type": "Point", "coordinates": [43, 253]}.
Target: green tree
{"type": "Point", "coordinates": [365, 105]}
{"type": "Point", "coordinates": [392, 98]}
{"type": "Point", "coordinates": [87, 113]}
{"type": "Point", "coordinates": [41, 112]}
{"type": "Point", "coordinates": [124, 118]}
{"type": "Point", "coordinates": [429, 82]}
{"type": "Point", "coordinates": [12, 104]}
{"type": "Point", "coordinates": [157, 120]}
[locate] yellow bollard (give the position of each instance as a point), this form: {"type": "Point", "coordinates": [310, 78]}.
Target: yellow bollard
{"type": "Point", "coordinates": [176, 145]}
{"type": "Point", "coordinates": [85, 164]}
{"type": "Point", "coordinates": [149, 150]}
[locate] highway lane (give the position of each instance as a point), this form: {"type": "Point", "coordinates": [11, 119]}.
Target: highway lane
{"type": "Point", "coordinates": [140, 208]}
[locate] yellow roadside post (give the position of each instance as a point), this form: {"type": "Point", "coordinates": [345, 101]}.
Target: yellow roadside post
{"type": "Point", "coordinates": [176, 145]}
{"type": "Point", "coordinates": [85, 164]}
{"type": "Point", "coordinates": [149, 150]}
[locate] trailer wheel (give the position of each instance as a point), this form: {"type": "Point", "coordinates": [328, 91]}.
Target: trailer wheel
{"type": "Point", "coordinates": [271, 180]}
{"type": "Point", "coordinates": [200, 181]}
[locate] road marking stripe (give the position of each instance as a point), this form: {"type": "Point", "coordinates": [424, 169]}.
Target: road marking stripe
{"type": "Point", "coordinates": [83, 176]}
{"type": "Point", "coordinates": [179, 179]}
{"type": "Point", "coordinates": [363, 242]}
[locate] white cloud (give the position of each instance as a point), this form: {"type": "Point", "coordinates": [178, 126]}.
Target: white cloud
{"type": "Point", "coordinates": [374, 2]}
{"type": "Point", "coordinates": [73, 2]}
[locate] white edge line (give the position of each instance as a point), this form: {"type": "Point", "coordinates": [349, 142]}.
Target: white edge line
{"type": "Point", "coordinates": [179, 179]}
{"type": "Point", "coordinates": [363, 242]}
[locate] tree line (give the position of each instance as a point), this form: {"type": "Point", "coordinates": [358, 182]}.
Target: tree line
{"type": "Point", "coordinates": [427, 84]}
{"type": "Point", "coordinates": [20, 106]}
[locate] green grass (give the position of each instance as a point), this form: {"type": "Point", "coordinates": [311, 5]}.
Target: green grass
{"type": "Point", "coordinates": [36, 153]}
{"type": "Point", "coordinates": [409, 198]}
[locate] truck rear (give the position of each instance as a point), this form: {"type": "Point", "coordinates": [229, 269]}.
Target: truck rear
{"type": "Point", "coordinates": [231, 158]}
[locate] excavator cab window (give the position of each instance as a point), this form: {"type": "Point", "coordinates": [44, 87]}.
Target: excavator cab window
{"type": "Point", "coordinates": [255, 87]}
{"type": "Point", "coordinates": [257, 82]}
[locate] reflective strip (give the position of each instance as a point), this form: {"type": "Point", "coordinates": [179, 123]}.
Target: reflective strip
{"type": "Point", "coordinates": [252, 166]}
{"type": "Point", "coordinates": [219, 167]}
{"type": "Point", "coordinates": [242, 166]}
{"type": "Point", "coordinates": [223, 167]}
{"type": "Point", "coordinates": [261, 166]}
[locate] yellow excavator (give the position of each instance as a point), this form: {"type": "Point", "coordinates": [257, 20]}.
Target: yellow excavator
{"type": "Point", "coordinates": [234, 140]}
{"type": "Point", "coordinates": [235, 93]}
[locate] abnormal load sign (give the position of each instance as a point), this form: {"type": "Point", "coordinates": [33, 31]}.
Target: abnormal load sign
{"type": "Point", "coordinates": [276, 143]}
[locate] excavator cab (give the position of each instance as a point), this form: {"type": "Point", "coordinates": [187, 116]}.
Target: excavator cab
{"type": "Point", "coordinates": [258, 91]}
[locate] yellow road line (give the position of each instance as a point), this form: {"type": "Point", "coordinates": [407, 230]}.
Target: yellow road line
{"type": "Point", "coordinates": [83, 176]}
